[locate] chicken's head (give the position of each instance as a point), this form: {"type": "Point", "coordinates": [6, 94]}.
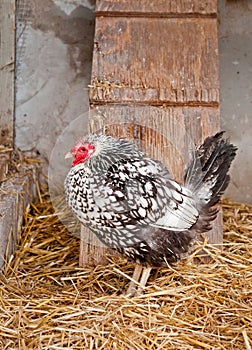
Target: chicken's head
{"type": "Point", "coordinates": [81, 152]}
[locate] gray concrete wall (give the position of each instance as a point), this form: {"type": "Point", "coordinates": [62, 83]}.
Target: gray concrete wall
{"type": "Point", "coordinates": [54, 49]}
{"type": "Point", "coordinates": [235, 47]}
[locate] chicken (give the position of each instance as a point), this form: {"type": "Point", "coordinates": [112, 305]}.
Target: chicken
{"type": "Point", "coordinates": [132, 203]}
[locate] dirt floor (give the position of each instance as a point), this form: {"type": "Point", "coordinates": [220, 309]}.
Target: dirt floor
{"type": "Point", "coordinates": [48, 302]}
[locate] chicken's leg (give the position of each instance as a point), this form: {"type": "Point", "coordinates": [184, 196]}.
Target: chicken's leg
{"type": "Point", "coordinates": [144, 278]}
{"type": "Point", "coordinates": [135, 278]}
{"type": "Point", "coordinates": [139, 280]}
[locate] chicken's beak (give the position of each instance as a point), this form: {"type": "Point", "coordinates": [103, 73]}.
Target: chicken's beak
{"type": "Point", "coordinates": [69, 155]}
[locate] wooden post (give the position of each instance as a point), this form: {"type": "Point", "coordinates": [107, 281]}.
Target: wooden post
{"type": "Point", "coordinates": [17, 191]}
{"type": "Point", "coordinates": [7, 60]}
{"type": "Point", "coordinates": [155, 80]}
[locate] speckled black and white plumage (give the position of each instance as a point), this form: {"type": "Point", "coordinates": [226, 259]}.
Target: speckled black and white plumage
{"type": "Point", "coordinates": [133, 205]}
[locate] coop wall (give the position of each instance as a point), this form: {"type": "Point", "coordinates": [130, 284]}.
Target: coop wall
{"type": "Point", "coordinates": [54, 49]}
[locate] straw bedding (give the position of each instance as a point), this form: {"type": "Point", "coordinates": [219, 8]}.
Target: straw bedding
{"type": "Point", "coordinates": [48, 302]}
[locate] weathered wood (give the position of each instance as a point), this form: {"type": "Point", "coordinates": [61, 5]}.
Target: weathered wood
{"type": "Point", "coordinates": [92, 250]}
{"type": "Point", "coordinates": [156, 8]}
{"type": "Point", "coordinates": [155, 81]}
{"type": "Point", "coordinates": [155, 61]}
{"type": "Point", "coordinates": [7, 57]}
{"type": "Point", "coordinates": [15, 195]}
{"type": "Point", "coordinates": [5, 156]}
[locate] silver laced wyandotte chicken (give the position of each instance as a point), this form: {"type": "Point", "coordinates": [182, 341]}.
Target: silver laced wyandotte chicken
{"type": "Point", "coordinates": [132, 203]}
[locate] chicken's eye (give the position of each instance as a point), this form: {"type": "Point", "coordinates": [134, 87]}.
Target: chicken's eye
{"type": "Point", "coordinates": [83, 149]}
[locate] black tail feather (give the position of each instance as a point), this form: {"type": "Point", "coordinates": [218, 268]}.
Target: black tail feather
{"type": "Point", "coordinates": [207, 175]}
{"type": "Point", "coordinates": [209, 169]}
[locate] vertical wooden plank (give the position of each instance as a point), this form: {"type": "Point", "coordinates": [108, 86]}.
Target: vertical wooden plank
{"type": "Point", "coordinates": [7, 61]}
{"type": "Point", "coordinates": [155, 81]}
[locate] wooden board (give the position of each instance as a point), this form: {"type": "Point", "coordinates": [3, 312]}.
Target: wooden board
{"type": "Point", "coordinates": [155, 61]}
{"type": "Point", "coordinates": [16, 193]}
{"type": "Point", "coordinates": [7, 57]}
{"type": "Point", "coordinates": [5, 157]}
{"type": "Point", "coordinates": [155, 81]}
{"type": "Point", "coordinates": [161, 8]}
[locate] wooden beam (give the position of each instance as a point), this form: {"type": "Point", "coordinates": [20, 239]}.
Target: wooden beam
{"type": "Point", "coordinates": [7, 60]}
{"type": "Point", "coordinates": [155, 81]}
{"type": "Point", "coordinates": [157, 8]}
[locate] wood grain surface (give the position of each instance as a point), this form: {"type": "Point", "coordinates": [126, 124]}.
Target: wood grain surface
{"type": "Point", "coordinates": [155, 61]}
{"type": "Point", "coordinates": [155, 81]}
{"type": "Point", "coordinates": [156, 7]}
